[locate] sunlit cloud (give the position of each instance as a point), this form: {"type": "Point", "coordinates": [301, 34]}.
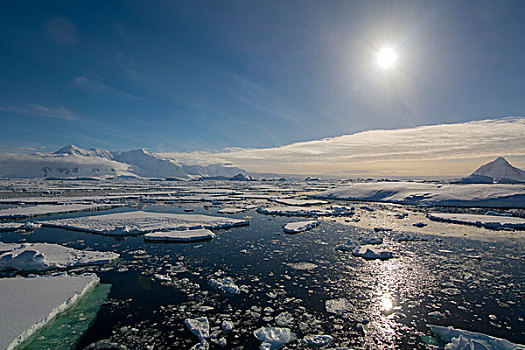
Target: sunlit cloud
{"type": "Point", "coordinates": [444, 149]}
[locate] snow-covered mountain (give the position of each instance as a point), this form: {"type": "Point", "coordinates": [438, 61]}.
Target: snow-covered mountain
{"type": "Point", "coordinates": [72, 161]}
{"type": "Point", "coordinates": [500, 169]}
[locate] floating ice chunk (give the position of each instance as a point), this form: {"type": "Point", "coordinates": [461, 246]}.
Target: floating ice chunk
{"type": "Point", "coordinates": [348, 246]}
{"type": "Point", "coordinates": [303, 211]}
{"type": "Point", "coordinates": [338, 306]}
{"type": "Point", "coordinates": [284, 319]}
{"type": "Point", "coordinates": [225, 285]}
{"type": "Point", "coordinates": [318, 340]}
{"type": "Point", "coordinates": [300, 226]}
{"type": "Point", "coordinates": [372, 240]}
{"type": "Point", "coordinates": [231, 210]}
{"type": "Point", "coordinates": [203, 345]}
{"type": "Point", "coordinates": [301, 265]}
{"type": "Point", "coordinates": [436, 314]}
{"type": "Point", "coordinates": [458, 339]}
{"type": "Point", "coordinates": [370, 253]}
{"type": "Point", "coordinates": [180, 236]}
{"type": "Point", "coordinates": [139, 222]}
{"type": "Point", "coordinates": [495, 222]}
{"type": "Point", "coordinates": [19, 226]}
{"type": "Point", "coordinates": [45, 256]}
{"type": "Point", "coordinates": [227, 326]}
{"type": "Point", "coordinates": [198, 326]}
{"type": "Point", "coordinates": [298, 202]}
{"type": "Point", "coordinates": [40, 210]}
{"type": "Point", "coordinates": [28, 304]}
{"type": "Point", "coordinates": [274, 337]}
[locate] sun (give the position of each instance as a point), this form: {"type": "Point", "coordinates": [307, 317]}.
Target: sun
{"type": "Point", "coordinates": [386, 58]}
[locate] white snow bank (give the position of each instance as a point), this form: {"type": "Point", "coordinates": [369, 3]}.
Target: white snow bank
{"type": "Point", "coordinates": [303, 211]}
{"type": "Point", "coordinates": [492, 195]}
{"type": "Point", "coordinates": [45, 256]}
{"type": "Point", "coordinates": [139, 222]}
{"type": "Point", "coordinates": [40, 210]}
{"type": "Point", "coordinates": [487, 221]}
{"type": "Point", "coordinates": [28, 304]}
{"type": "Point", "coordinates": [180, 236]}
{"type": "Point", "coordinates": [300, 226]}
{"type": "Point", "coordinates": [458, 339]}
{"type": "Point", "coordinates": [274, 337]}
{"type": "Point", "coordinates": [298, 202]}
{"type": "Point", "coordinates": [370, 253]}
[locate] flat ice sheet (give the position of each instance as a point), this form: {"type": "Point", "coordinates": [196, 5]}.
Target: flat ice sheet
{"type": "Point", "coordinates": [492, 195]}
{"type": "Point", "coordinates": [27, 304]}
{"type": "Point", "coordinates": [488, 221]}
{"type": "Point", "coordinates": [45, 256]}
{"type": "Point", "coordinates": [45, 209]}
{"type": "Point", "coordinates": [180, 236]}
{"type": "Point", "coordinates": [305, 211]}
{"type": "Point", "coordinates": [139, 222]}
{"type": "Point", "coordinates": [299, 202]}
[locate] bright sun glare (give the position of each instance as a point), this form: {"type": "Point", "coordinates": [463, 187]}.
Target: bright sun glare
{"type": "Point", "coordinates": [386, 58]}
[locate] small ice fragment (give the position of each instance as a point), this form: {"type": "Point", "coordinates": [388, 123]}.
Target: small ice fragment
{"type": "Point", "coordinates": [318, 340]}
{"type": "Point", "coordinates": [198, 326]}
{"type": "Point", "coordinates": [338, 306]}
{"type": "Point", "coordinates": [274, 337]}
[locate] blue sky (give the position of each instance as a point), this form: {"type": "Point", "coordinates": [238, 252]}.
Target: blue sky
{"type": "Point", "coordinates": [203, 76]}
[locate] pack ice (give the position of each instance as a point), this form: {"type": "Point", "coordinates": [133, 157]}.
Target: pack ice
{"type": "Point", "coordinates": [458, 339]}
{"type": "Point", "coordinates": [497, 222]}
{"type": "Point", "coordinates": [45, 209]}
{"type": "Point", "coordinates": [201, 234]}
{"type": "Point", "coordinates": [46, 256]}
{"type": "Point", "coordinates": [139, 222]}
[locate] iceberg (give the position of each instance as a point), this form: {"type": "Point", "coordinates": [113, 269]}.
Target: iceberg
{"type": "Point", "coordinates": [225, 285]}
{"type": "Point", "coordinates": [198, 326]}
{"type": "Point", "coordinates": [274, 337]}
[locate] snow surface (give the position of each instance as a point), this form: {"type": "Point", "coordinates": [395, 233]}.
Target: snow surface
{"type": "Point", "coordinates": [487, 195]}
{"type": "Point", "coordinates": [458, 339]}
{"type": "Point", "coordinates": [41, 210]}
{"type": "Point", "coordinates": [139, 222]}
{"type": "Point", "coordinates": [45, 256]}
{"type": "Point", "coordinates": [304, 211]}
{"type": "Point", "coordinates": [28, 304]}
{"type": "Point", "coordinates": [274, 337]}
{"type": "Point", "coordinates": [300, 226]}
{"type": "Point", "coordinates": [487, 221]}
{"type": "Point", "coordinates": [180, 236]}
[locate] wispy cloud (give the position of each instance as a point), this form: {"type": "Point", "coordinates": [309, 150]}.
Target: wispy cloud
{"type": "Point", "coordinates": [97, 87]}
{"type": "Point", "coordinates": [444, 149]}
{"type": "Point", "coordinates": [42, 111]}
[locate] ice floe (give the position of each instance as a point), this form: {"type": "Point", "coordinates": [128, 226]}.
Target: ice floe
{"type": "Point", "coordinates": [198, 326]}
{"type": "Point", "coordinates": [28, 304]}
{"type": "Point", "coordinates": [19, 226]}
{"type": "Point", "coordinates": [338, 306]}
{"type": "Point", "coordinates": [225, 285]}
{"type": "Point", "coordinates": [458, 339]}
{"type": "Point", "coordinates": [300, 226]}
{"type": "Point", "coordinates": [139, 222]}
{"type": "Point", "coordinates": [371, 253]}
{"type": "Point", "coordinates": [45, 256]}
{"type": "Point", "coordinates": [298, 202]}
{"type": "Point", "coordinates": [41, 210]}
{"type": "Point", "coordinates": [231, 210]}
{"type": "Point", "coordinates": [318, 340]}
{"type": "Point", "coordinates": [306, 211]}
{"type": "Point", "coordinates": [180, 235]}
{"type": "Point", "coordinates": [497, 222]}
{"type": "Point", "coordinates": [274, 337]}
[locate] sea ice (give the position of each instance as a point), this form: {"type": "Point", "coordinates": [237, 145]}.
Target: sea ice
{"type": "Point", "coordinates": [198, 326]}
{"type": "Point", "coordinates": [274, 337]}
{"type": "Point", "coordinates": [284, 319]}
{"type": "Point", "coordinates": [45, 256]}
{"type": "Point", "coordinates": [300, 226]}
{"type": "Point", "coordinates": [458, 339]}
{"type": "Point", "coordinates": [497, 222]}
{"type": "Point", "coordinates": [298, 202]}
{"type": "Point", "coordinates": [231, 210]}
{"type": "Point", "coordinates": [19, 226]}
{"type": "Point", "coordinates": [370, 253]}
{"type": "Point", "coordinates": [304, 211]}
{"type": "Point", "coordinates": [227, 326]}
{"type": "Point", "coordinates": [41, 210]}
{"type": "Point", "coordinates": [318, 340]}
{"type": "Point", "coordinates": [138, 222]}
{"type": "Point", "coordinates": [338, 306]}
{"type": "Point", "coordinates": [28, 304]}
{"type": "Point", "coordinates": [225, 285]}
{"type": "Point", "coordinates": [180, 235]}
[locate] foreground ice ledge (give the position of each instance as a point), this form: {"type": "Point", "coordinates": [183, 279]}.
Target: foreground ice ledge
{"type": "Point", "coordinates": [140, 222]}
{"type": "Point", "coordinates": [47, 256]}
{"type": "Point", "coordinates": [458, 339]}
{"type": "Point", "coordinates": [28, 304]}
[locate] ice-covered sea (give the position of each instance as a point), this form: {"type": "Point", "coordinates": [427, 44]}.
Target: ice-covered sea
{"type": "Point", "coordinates": [259, 276]}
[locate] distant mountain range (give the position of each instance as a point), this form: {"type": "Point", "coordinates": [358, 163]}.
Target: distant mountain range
{"type": "Point", "coordinates": [74, 162]}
